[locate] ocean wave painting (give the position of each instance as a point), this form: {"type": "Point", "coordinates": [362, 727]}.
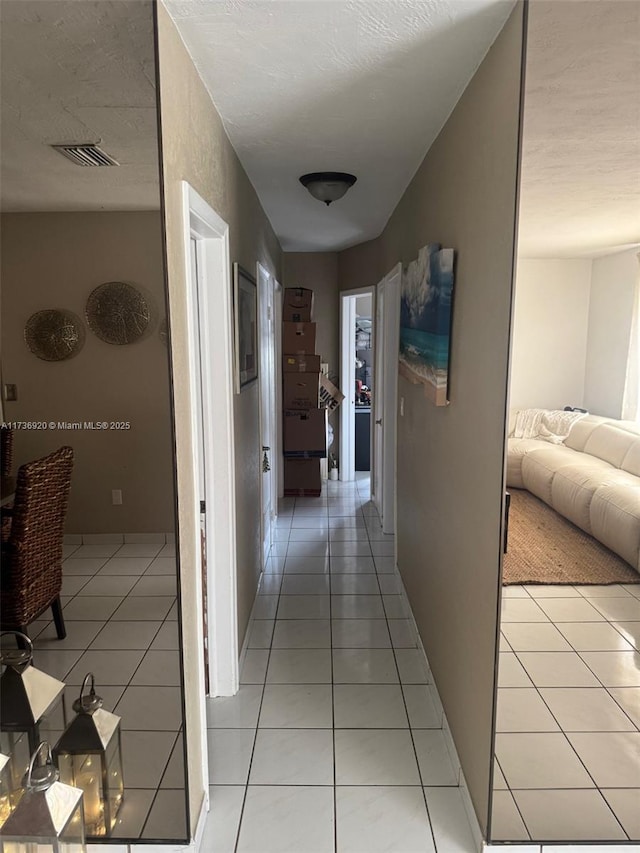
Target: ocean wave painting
{"type": "Point", "coordinates": [425, 320]}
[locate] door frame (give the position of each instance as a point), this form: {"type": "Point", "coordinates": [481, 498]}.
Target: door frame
{"type": "Point", "coordinates": [263, 275]}
{"type": "Point", "coordinates": [215, 371]}
{"type": "Point", "coordinates": [389, 342]}
{"type": "Point", "coordinates": [347, 461]}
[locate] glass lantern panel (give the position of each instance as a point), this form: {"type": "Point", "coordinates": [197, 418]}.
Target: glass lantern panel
{"type": "Point", "coordinates": [115, 783]}
{"type": "Point", "coordinates": [72, 838]}
{"type": "Point", "coordinates": [85, 772]}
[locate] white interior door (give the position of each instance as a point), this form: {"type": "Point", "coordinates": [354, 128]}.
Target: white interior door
{"type": "Point", "coordinates": [347, 461]}
{"type": "Point", "coordinates": [390, 341]}
{"type": "Point", "coordinates": [199, 449]}
{"type": "Point", "coordinates": [210, 539]}
{"type": "Point", "coordinates": [267, 374]}
{"type": "Point", "coordinates": [377, 484]}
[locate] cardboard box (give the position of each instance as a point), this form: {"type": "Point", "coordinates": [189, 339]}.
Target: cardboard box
{"type": "Point", "coordinates": [330, 396]}
{"type": "Point", "coordinates": [301, 364]}
{"type": "Point", "coordinates": [305, 434]}
{"type": "Point", "coordinates": [300, 391]}
{"type": "Point", "coordinates": [302, 478]}
{"type": "Point", "coordinates": [298, 338]}
{"type": "Point", "coordinates": [297, 305]}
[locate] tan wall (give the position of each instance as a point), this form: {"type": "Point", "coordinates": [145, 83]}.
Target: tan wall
{"type": "Point", "coordinates": [54, 260]}
{"type": "Point", "coordinates": [196, 149]}
{"type": "Point", "coordinates": [450, 460]}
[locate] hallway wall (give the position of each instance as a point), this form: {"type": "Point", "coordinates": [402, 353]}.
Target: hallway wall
{"type": "Point", "coordinates": [197, 149]}
{"type": "Point", "coordinates": [450, 459]}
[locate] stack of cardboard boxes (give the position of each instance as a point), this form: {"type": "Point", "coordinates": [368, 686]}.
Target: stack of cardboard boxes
{"type": "Point", "coordinates": [305, 424]}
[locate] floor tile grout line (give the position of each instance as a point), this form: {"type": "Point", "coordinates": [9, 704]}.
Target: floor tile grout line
{"type": "Point", "coordinates": [406, 710]}
{"type": "Point", "coordinates": [255, 734]}
{"type": "Point", "coordinates": [562, 731]}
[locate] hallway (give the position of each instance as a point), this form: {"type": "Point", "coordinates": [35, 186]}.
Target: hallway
{"type": "Point", "coordinates": [333, 743]}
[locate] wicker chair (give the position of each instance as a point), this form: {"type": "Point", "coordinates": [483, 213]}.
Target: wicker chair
{"type": "Point", "coordinates": [6, 452]}
{"type": "Point", "coordinates": [32, 556]}
{"type": "Point", "coordinates": [6, 465]}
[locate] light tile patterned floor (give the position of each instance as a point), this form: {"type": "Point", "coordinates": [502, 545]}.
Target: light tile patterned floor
{"type": "Point", "coordinates": [568, 742]}
{"type": "Point", "coordinates": [333, 744]}
{"type": "Point", "coordinates": [120, 613]}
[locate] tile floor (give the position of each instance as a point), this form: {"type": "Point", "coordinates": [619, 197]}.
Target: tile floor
{"type": "Point", "coordinates": [119, 602]}
{"type": "Point", "coordinates": [333, 744]}
{"type": "Point", "coordinates": [568, 739]}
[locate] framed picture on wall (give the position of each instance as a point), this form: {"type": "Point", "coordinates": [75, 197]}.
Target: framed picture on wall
{"type": "Point", "coordinates": [245, 310]}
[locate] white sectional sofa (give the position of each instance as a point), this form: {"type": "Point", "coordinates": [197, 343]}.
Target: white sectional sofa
{"type": "Point", "coordinates": [592, 478]}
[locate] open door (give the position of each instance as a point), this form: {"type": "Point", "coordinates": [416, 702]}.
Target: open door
{"type": "Point", "coordinates": [267, 378]}
{"type": "Point", "coordinates": [386, 397]}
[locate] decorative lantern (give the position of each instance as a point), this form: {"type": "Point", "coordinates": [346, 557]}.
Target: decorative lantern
{"type": "Point", "coordinates": [16, 749]}
{"type": "Point", "coordinates": [89, 756]}
{"type": "Point", "coordinates": [6, 787]}
{"type": "Point", "coordinates": [49, 818]}
{"type": "Point", "coordinates": [26, 694]}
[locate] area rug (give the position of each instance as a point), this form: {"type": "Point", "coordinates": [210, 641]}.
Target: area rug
{"type": "Point", "coordinates": [545, 548]}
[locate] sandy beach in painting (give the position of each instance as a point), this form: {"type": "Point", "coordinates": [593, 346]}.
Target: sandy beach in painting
{"type": "Point", "coordinates": [435, 382]}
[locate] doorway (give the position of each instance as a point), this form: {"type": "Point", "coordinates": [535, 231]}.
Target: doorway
{"type": "Point", "coordinates": [386, 398]}
{"type": "Point", "coordinates": [206, 240]}
{"type": "Point", "coordinates": [357, 368]}
{"type": "Point", "coordinates": [268, 288]}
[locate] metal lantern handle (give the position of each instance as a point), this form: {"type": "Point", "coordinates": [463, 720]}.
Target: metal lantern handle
{"type": "Point", "coordinates": [88, 703]}
{"type": "Point", "coordinates": [23, 636]}
{"type": "Point", "coordinates": [48, 777]}
{"type": "Point", "coordinates": [92, 692]}
{"type": "Point", "coordinates": [17, 657]}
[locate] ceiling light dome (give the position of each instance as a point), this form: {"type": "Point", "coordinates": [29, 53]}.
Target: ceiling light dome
{"type": "Point", "coordinates": [328, 186]}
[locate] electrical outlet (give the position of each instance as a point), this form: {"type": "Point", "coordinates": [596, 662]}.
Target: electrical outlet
{"type": "Point", "coordinates": [401, 407]}
{"type": "Point", "coordinates": [10, 393]}
{"type": "Point", "coordinates": [116, 497]}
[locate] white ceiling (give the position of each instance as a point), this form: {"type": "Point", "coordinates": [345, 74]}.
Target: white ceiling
{"type": "Point", "coordinates": [314, 85]}
{"type": "Point", "coordinates": [78, 71]}
{"type": "Point", "coordinates": [358, 86]}
{"type": "Point", "coordinates": [580, 191]}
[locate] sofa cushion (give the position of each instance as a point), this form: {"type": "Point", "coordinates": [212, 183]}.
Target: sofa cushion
{"type": "Point", "coordinates": [517, 448]}
{"type": "Point", "coordinates": [539, 468]}
{"type": "Point", "coordinates": [615, 520]}
{"type": "Point", "coordinates": [574, 486]}
{"type": "Point", "coordinates": [581, 431]}
{"type": "Point", "coordinates": [631, 462]}
{"type": "Point", "coordinates": [610, 443]}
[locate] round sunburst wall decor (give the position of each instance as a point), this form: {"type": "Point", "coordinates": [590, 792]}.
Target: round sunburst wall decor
{"type": "Point", "coordinates": [54, 334]}
{"type": "Point", "coordinates": [118, 313]}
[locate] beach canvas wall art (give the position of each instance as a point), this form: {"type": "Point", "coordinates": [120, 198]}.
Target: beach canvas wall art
{"type": "Point", "coordinates": [425, 321]}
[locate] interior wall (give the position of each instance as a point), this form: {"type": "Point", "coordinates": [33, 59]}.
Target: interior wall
{"type": "Point", "coordinates": [55, 260]}
{"type": "Point", "coordinates": [613, 284]}
{"type": "Point", "coordinates": [451, 459]}
{"type": "Point", "coordinates": [549, 350]}
{"type": "Point", "coordinates": [197, 149]}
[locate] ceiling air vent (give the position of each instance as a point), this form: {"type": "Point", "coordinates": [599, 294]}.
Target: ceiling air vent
{"type": "Point", "coordinates": [86, 155]}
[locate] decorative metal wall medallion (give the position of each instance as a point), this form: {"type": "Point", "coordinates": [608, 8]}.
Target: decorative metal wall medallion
{"type": "Point", "coordinates": [118, 313]}
{"type": "Point", "coordinates": [54, 334]}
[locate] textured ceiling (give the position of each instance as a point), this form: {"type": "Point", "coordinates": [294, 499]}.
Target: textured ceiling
{"type": "Point", "coordinates": [361, 87]}
{"type": "Point", "coordinates": [580, 192]}
{"type": "Point", "coordinates": [77, 71]}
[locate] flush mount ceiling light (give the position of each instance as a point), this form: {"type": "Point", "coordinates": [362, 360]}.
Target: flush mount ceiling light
{"type": "Point", "coordinates": [328, 186]}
